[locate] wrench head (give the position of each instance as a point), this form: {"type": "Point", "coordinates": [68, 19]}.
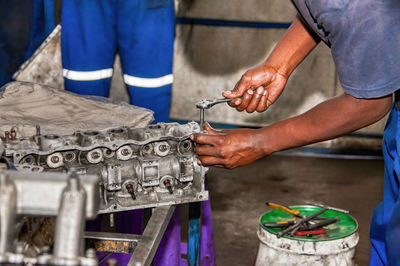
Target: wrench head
{"type": "Point", "coordinates": [205, 104]}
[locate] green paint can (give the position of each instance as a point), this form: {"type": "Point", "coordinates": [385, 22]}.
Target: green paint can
{"type": "Point", "coordinates": [336, 247]}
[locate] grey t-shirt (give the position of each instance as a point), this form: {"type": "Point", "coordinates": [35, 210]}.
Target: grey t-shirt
{"type": "Point", "coordinates": [364, 36]}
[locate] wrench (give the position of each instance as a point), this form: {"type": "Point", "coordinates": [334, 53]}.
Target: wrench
{"type": "Point", "coordinates": [207, 104]}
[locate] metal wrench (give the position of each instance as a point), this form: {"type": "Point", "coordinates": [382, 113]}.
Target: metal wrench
{"type": "Point", "coordinates": [207, 104]}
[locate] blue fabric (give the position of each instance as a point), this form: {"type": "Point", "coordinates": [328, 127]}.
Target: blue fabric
{"type": "Point", "coordinates": [49, 16]}
{"type": "Point", "coordinates": [42, 24]}
{"type": "Point", "coordinates": [385, 225]}
{"type": "Point", "coordinates": [156, 99]}
{"type": "Point", "coordinates": [364, 36]}
{"type": "Point", "coordinates": [141, 31]}
{"type": "Point", "coordinates": [15, 22]}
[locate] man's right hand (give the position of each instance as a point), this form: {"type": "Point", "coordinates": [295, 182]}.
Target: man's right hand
{"type": "Point", "coordinates": [261, 86]}
{"type": "Point", "coordinates": [257, 89]}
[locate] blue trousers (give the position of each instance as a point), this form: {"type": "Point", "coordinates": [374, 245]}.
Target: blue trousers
{"type": "Point", "coordinates": [141, 31]}
{"type": "Point", "coordinates": [385, 225]}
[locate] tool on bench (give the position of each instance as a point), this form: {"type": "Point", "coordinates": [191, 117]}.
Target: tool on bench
{"type": "Point", "coordinates": [207, 104]}
{"type": "Point", "coordinates": [283, 208]}
{"type": "Point", "coordinates": [319, 231]}
{"type": "Point", "coordinates": [280, 224]}
{"type": "Point", "coordinates": [328, 207]}
{"type": "Point", "coordinates": [320, 223]}
{"type": "Point", "coordinates": [300, 223]}
{"type": "Point", "coordinates": [293, 228]}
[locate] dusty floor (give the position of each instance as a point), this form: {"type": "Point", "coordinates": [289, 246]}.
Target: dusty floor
{"type": "Point", "coordinates": [238, 197]}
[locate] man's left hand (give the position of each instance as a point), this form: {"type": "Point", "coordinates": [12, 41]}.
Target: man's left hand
{"type": "Point", "coordinates": [228, 148]}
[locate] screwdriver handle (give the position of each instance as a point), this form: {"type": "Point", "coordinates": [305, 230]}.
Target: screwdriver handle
{"type": "Point", "coordinates": [283, 208]}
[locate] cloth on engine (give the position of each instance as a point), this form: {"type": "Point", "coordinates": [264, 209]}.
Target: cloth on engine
{"type": "Point", "coordinates": [24, 105]}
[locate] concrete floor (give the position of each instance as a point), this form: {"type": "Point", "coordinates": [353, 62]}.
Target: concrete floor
{"type": "Point", "coordinates": [238, 198]}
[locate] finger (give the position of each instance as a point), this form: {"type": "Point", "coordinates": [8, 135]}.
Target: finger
{"type": "Point", "coordinates": [255, 100]}
{"type": "Point", "coordinates": [269, 102]}
{"type": "Point", "coordinates": [262, 105]}
{"type": "Point", "coordinates": [204, 150]}
{"type": "Point", "coordinates": [213, 131]}
{"type": "Point", "coordinates": [209, 129]}
{"type": "Point", "coordinates": [241, 86]}
{"type": "Point", "coordinates": [245, 100]}
{"type": "Point", "coordinates": [235, 102]}
{"type": "Point", "coordinates": [209, 160]}
{"type": "Point", "coordinates": [207, 139]}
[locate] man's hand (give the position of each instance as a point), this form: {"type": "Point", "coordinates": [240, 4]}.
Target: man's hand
{"type": "Point", "coordinates": [261, 86]}
{"type": "Point", "coordinates": [228, 148]}
{"type": "Point", "coordinates": [334, 117]}
{"type": "Point", "coordinates": [257, 89]}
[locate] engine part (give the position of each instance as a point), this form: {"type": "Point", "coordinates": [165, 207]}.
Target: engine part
{"type": "Point", "coordinates": [69, 197]}
{"type": "Point", "coordinates": [138, 167]}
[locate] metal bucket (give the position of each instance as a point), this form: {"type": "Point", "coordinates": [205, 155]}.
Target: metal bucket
{"type": "Point", "coordinates": [335, 248]}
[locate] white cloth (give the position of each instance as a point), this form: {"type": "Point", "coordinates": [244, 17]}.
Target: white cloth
{"type": "Point", "coordinates": [25, 105]}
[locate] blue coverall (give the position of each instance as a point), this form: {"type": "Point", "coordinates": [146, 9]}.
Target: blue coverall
{"type": "Point", "coordinates": [141, 31]}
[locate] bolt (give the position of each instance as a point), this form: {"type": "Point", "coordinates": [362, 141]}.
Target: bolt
{"type": "Point", "coordinates": [95, 155]}
{"type": "Point", "coordinates": [13, 133]}
{"type": "Point", "coordinates": [69, 156]}
{"type": "Point", "coordinates": [37, 130]}
{"type": "Point", "coordinates": [54, 159]}
{"type": "Point", "coordinates": [163, 148]}
{"type": "Point", "coordinates": [131, 190]}
{"type": "Point", "coordinates": [125, 152]}
{"type": "Point", "coordinates": [167, 184]}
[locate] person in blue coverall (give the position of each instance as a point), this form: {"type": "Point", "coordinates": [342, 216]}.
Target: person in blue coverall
{"type": "Point", "coordinates": [142, 32]}
{"type": "Point", "coordinates": [364, 37]}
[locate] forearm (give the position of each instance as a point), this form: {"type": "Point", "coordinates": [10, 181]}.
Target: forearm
{"type": "Point", "coordinates": [330, 119]}
{"type": "Point", "coordinates": [294, 46]}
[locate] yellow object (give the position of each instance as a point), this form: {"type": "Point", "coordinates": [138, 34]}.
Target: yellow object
{"type": "Point", "coordinates": [283, 208]}
{"type": "Point", "coordinates": [286, 221]}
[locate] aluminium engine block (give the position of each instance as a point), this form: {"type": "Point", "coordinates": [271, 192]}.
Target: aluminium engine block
{"type": "Point", "coordinates": [138, 167]}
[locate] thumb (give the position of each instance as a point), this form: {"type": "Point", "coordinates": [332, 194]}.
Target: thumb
{"type": "Point", "coordinates": [238, 91]}
{"type": "Point", "coordinates": [209, 129]}
{"type": "Point", "coordinates": [213, 131]}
